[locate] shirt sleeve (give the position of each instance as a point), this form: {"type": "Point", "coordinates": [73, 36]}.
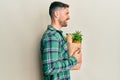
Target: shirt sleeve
{"type": "Point", "coordinates": [50, 57]}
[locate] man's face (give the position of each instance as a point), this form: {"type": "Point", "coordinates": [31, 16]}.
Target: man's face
{"type": "Point", "coordinates": [63, 16]}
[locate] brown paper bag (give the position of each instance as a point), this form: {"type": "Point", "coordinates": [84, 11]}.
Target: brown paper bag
{"type": "Point", "coordinates": [72, 47]}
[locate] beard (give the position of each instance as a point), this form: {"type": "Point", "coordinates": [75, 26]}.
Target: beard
{"type": "Point", "coordinates": [63, 23]}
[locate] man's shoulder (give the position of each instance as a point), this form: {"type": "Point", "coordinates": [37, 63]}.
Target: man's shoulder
{"type": "Point", "coordinates": [50, 34]}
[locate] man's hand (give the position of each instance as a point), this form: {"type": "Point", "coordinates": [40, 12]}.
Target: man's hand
{"type": "Point", "coordinates": [78, 55]}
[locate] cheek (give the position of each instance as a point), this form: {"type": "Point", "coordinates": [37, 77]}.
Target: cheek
{"type": "Point", "coordinates": [64, 17]}
{"type": "Point", "coordinates": [67, 17]}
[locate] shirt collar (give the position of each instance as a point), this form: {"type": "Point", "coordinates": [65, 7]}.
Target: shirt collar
{"type": "Point", "coordinates": [53, 29]}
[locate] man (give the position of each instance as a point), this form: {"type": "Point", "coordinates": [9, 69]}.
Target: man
{"type": "Point", "coordinates": [54, 52]}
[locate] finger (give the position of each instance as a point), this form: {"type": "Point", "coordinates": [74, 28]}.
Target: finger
{"type": "Point", "coordinates": [76, 51]}
{"type": "Point", "coordinates": [79, 52]}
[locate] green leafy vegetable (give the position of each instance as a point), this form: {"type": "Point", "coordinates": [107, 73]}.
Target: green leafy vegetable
{"type": "Point", "coordinates": [76, 37]}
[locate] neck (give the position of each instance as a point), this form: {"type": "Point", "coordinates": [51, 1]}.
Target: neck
{"type": "Point", "coordinates": [56, 24]}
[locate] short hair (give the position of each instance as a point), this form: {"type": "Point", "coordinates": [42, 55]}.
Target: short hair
{"type": "Point", "coordinates": [56, 4]}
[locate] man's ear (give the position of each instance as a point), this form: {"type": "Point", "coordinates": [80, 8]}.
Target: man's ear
{"type": "Point", "coordinates": [56, 14]}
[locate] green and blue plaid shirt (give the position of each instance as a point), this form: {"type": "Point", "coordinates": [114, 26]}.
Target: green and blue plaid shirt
{"type": "Point", "coordinates": [54, 52]}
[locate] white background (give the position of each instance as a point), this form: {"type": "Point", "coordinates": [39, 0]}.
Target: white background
{"type": "Point", "coordinates": [22, 23]}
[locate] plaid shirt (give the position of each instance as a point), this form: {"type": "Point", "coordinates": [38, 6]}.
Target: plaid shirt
{"type": "Point", "coordinates": [55, 59]}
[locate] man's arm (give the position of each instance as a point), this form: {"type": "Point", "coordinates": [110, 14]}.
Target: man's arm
{"type": "Point", "coordinates": [50, 57]}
